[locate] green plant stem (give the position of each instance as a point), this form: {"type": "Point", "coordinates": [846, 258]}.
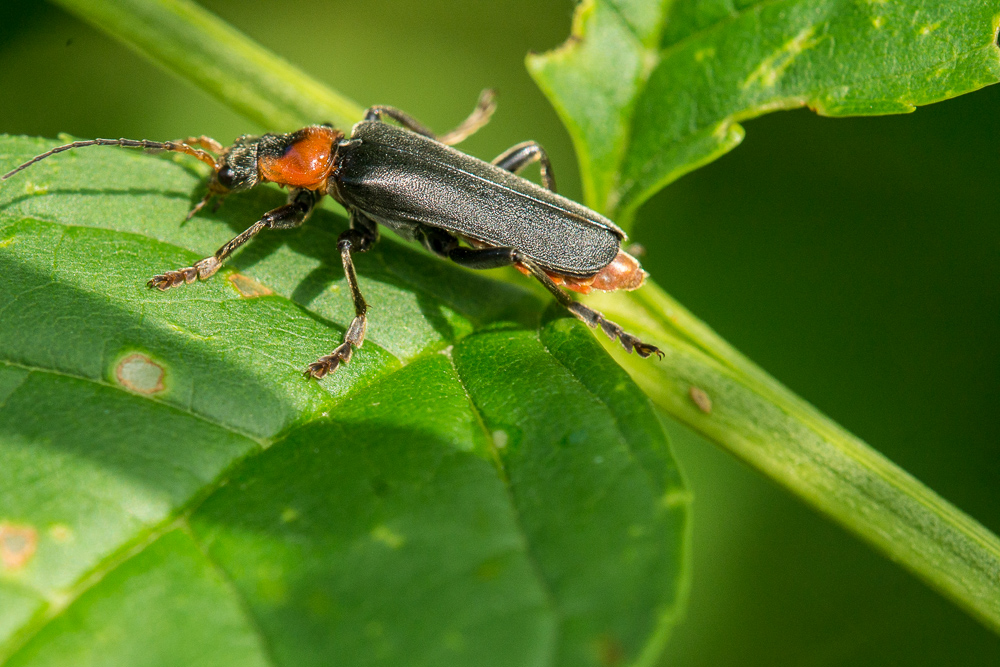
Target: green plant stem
{"type": "Point", "coordinates": [751, 414]}
{"type": "Point", "coordinates": [199, 47]}
{"type": "Point", "coordinates": [762, 422]}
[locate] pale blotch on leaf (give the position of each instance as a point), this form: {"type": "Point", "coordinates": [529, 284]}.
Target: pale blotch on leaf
{"type": "Point", "coordinates": [60, 532]}
{"type": "Point", "coordinates": [32, 189]}
{"type": "Point", "coordinates": [772, 68]}
{"type": "Point", "coordinates": [382, 533]}
{"type": "Point", "coordinates": [289, 514]}
{"type": "Point", "coordinates": [248, 287]}
{"type": "Point", "coordinates": [500, 439]}
{"type": "Point", "coordinates": [140, 374]}
{"type": "Point", "coordinates": [701, 399]}
{"type": "Point", "coordinates": [17, 545]}
{"type": "Point", "coordinates": [676, 498]}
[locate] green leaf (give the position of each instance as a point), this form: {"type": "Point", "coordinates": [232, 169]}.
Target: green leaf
{"type": "Point", "coordinates": [481, 485]}
{"type": "Point", "coordinates": [651, 89]}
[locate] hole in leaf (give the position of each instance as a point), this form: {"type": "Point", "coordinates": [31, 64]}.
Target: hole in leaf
{"type": "Point", "coordinates": [17, 545]}
{"type": "Point", "coordinates": [140, 374]}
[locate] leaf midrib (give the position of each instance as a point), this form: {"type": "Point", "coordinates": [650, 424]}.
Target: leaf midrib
{"type": "Point", "coordinates": [529, 554]}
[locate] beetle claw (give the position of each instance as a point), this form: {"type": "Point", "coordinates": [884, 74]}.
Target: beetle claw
{"type": "Point", "coordinates": [165, 281]}
{"type": "Point", "coordinates": [331, 362]}
{"type": "Point", "coordinates": [644, 350]}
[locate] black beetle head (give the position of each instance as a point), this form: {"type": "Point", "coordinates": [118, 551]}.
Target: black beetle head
{"type": "Point", "coordinates": [239, 166]}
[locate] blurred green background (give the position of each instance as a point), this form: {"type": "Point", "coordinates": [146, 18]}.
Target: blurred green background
{"type": "Point", "coordinates": [856, 260]}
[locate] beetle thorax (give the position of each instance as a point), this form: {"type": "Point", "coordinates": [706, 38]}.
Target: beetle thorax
{"type": "Point", "coordinates": [302, 159]}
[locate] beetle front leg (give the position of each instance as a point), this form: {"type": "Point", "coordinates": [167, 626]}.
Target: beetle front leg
{"type": "Point", "coordinates": [292, 214]}
{"type": "Point", "coordinates": [359, 238]}
{"type": "Point", "coordinates": [589, 316]}
{"type": "Point", "coordinates": [516, 158]}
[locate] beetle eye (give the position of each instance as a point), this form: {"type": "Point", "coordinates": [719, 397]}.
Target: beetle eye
{"type": "Point", "coordinates": [226, 177]}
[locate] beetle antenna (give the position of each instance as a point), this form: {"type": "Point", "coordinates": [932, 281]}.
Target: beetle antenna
{"type": "Point", "coordinates": [176, 146]}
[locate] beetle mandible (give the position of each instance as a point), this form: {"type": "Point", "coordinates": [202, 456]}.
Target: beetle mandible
{"type": "Point", "coordinates": [481, 215]}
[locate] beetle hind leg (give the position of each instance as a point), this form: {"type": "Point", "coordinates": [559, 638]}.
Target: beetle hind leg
{"type": "Point", "coordinates": [359, 238]}
{"type": "Point", "coordinates": [591, 317]}
{"type": "Point", "coordinates": [479, 117]}
{"type": "Point", "coordinates": [446, 245]}
{"type": "Point", "coordinates": [516, 158]}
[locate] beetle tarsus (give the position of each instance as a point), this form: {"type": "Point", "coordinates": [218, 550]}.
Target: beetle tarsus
{"type": "Point", "coordinates": [201, 270]}
{"type": "Point", "coordinates": [612, 330]}
{"type": "Point", "coordinates": [324, 365]}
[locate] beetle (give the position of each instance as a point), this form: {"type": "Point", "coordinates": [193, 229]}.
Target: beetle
{"type": "Point", "coordinates": [479, 214]}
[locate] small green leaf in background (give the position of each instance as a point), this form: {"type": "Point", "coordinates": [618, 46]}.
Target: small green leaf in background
{"type": "Point", "coordinates": [176, 492]}
{"type": "Point", "coordinates": [651, 90]}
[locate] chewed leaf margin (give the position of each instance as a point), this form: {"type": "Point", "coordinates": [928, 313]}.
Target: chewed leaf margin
{"type": "Point", "coordinates": [643, 108]}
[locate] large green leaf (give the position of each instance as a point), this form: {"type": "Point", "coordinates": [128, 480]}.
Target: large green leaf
{"type": "Point", "coordinates": [651, 89]}
{"type": "Point", "coordinates": [482, 485]}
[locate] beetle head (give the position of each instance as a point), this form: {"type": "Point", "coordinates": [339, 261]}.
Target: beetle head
{"type": "Point", "coordinates": [239, 167]}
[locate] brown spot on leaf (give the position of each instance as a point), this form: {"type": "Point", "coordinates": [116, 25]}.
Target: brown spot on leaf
{"type": "Point", "coordinates": [140, 374]}
{"type": "Point", "coordinates": [701, 399]}
{"type": "Point", "coordinates": [610, 651]}
{"type": "Point", "coordinates": [17, 545]}
{"type": "Point", "coordinates": [248, 287]}
{"type": "Point", "coordinates": [490, 569]}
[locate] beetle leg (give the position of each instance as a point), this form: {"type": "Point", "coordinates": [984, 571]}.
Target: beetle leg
{"type": "Point", "coordinates": [493, 258]}
{"type": "Point", "coordinates": [479, 117]}
{"type": "Point", "coordinates": [516, 158]}
{"type": "Point", "coordinates": [589, 316]}
{"type": "Point", "coordinates": [359, 238]}
{"type": "Point", "coordinates": [292, 214]}
{"type": "Point", "coordinates": [483, 258]}
{"type": "Point", "coordinates": [208, 143]}
{"type": "Point", "coordinates": [485, 107]}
